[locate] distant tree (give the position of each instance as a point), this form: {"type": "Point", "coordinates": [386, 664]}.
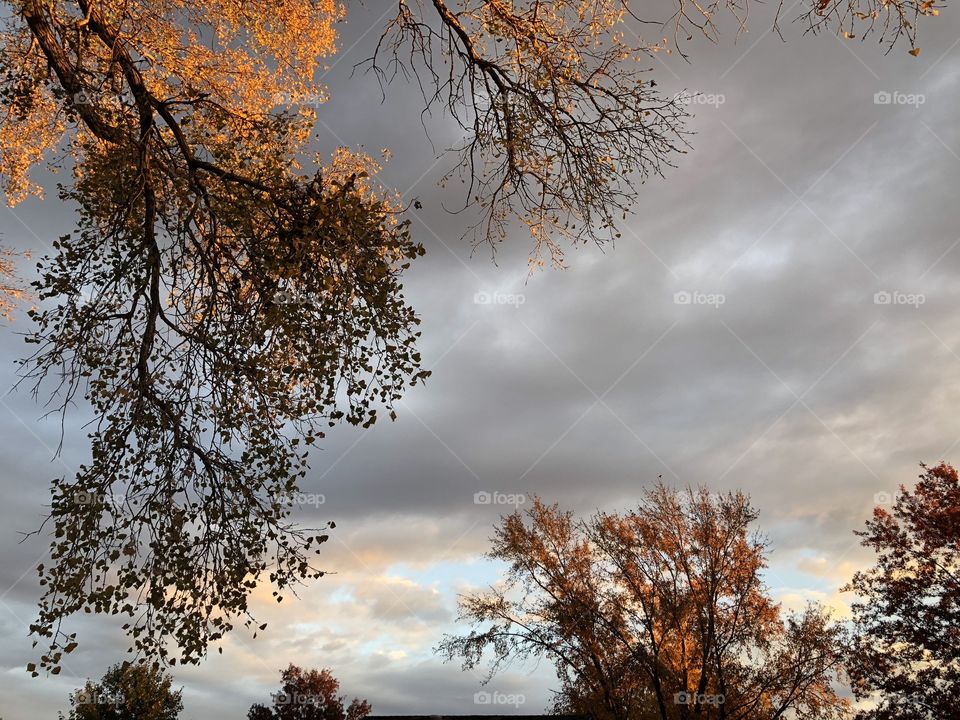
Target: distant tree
{"type": "Point", "coordinates": [127, 692]}
{"type": "Point", "coordinates": [906, 650]}
{"type": "Point", "coordinates": [309, 695]}
{"type": "Point", "coordinates": [260, 712]}
{"type": "Point", "coordinates": [660, 612]}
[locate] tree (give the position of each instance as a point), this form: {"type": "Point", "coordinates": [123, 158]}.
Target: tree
{"type": "Point", "coordinates": [216, 308]}
{"type": "Point", "coordinates": [658, 612]}
{"type": "Point", "coordinates": [127, 692]}
{"type": "Point", "coordinates": [906, 646]}
{"type": "Point", "coordinates": [228, 294]}
{"type": "Point", "coordinates": [309, 695]}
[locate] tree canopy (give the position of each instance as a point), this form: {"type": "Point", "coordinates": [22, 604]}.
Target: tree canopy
{"type": "Point", "coordinates": [309, 695]}
{"type": "Point", "coordinates": [127, 692]}
{"type": "Point", "coordinates": [656, 612]}
{"type": "Point", "coordinates": [906, 651]}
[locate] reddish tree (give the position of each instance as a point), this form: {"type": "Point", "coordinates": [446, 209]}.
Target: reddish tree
{"type": "Point", "coordinates": [906, 649]}
{"type": "Point", "coordinates": [309, 695]}
{"type": "Point", "coordinates": [660, 612]}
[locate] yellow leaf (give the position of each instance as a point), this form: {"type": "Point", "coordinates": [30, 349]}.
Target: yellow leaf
{"type": "Point", "coordinates": [914, 51]}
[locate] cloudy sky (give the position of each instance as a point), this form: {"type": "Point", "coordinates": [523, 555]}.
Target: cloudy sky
{"type": "Point", "coordinates": [779, 316]}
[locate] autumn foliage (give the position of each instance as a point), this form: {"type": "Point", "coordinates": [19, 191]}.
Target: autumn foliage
{"type": "Point", "coordinates": [127, 692]}
{"type": "Point", "coordinates": [906, 651]}
{"type": "Point", "coordinates": [659, 612]}
{"type": "Point", "coordinates": [309, 695]}
{"type": "Point", "coordinates": [217, 307]}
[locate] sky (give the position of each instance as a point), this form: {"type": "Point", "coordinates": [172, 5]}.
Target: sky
{"type": "Point", "coordinates": [778, 317]}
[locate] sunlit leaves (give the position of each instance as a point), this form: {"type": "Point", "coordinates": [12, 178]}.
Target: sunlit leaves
{"type": "Point", "coordinates": [891, 21]}
{"type": "Point", "coordinates": [560, 115]}
{"type": "Point", "coordinates": [215, 306]}
{"type": "Point", "coordinates": [635, 608]}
